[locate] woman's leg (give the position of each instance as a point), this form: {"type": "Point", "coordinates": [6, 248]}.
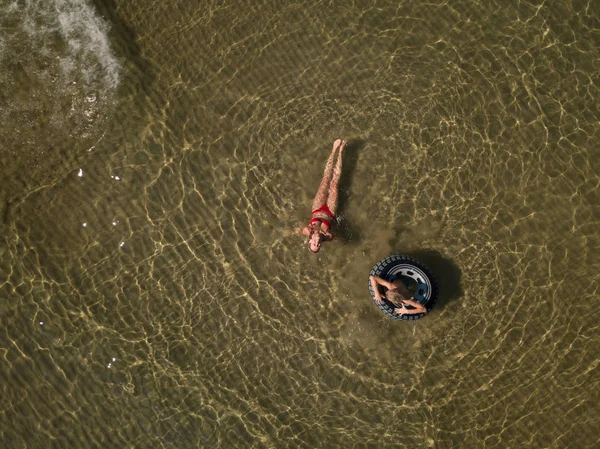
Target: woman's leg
{"type": "Point", "coordinates": [321, 196]}
{"type": "Point", "coordinates": [332, 198]}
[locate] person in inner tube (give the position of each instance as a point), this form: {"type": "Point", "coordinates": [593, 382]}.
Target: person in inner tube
{"type": "Point", "coordinates": [325, 202]}
{"type": "Point", "coordinates": [397, 294]}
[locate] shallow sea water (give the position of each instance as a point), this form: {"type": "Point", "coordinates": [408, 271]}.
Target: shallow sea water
{"type": "Point", "coordinates": [155, 155]}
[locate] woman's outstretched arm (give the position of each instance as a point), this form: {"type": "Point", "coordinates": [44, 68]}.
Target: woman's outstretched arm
{"type": "Point", "coordinates": [375, 282]}
{"type": "Point", "coordinates": [418, 308]}
{"type": "Point", "coordinates": [381, 281]}
{"type": "Point", "coordinates": [378, 298]}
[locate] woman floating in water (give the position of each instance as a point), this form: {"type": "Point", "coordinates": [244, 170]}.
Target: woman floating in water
{"type": "Point", "coordinates": [398, 295]}
{"type": "Point", "coordinates": [325, 202]}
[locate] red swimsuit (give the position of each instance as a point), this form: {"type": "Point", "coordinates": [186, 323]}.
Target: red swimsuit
{"type": "Point", "coordinates": [325, 209]}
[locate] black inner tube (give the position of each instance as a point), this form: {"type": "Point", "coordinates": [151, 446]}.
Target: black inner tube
{"type": "Point", "coordinates": [414, 274]}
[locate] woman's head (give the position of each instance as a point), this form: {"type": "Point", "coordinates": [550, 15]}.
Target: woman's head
{"type": "Point", "coordinates": [395, 297]}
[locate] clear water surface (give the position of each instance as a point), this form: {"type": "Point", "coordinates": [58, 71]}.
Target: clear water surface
{"type": "Point", "coordinates": [154, 156]}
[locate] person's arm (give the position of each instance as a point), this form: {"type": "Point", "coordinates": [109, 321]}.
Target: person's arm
{"type": "Point", "coordinates": [329, 236]}
{"type": "Point", "coordinates": [378, 298]}
{"type": "Point", "coordinates": [303, 230]}
{"type": "Point", "coordinates": [418, 308]}
{"type": "Point", "coordinates": [377, 280]}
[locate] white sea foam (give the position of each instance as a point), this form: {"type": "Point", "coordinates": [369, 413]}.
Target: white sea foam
{"type": "Point", "coordinates": [84, 31]}
{"type": "Point", "coordinates": [87, 55]}
{"type": "Point", "coordinates": [59, 73]}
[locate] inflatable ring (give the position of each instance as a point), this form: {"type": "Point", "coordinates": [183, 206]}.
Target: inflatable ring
{"type": "Point", "coordinates": [414, 274]}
